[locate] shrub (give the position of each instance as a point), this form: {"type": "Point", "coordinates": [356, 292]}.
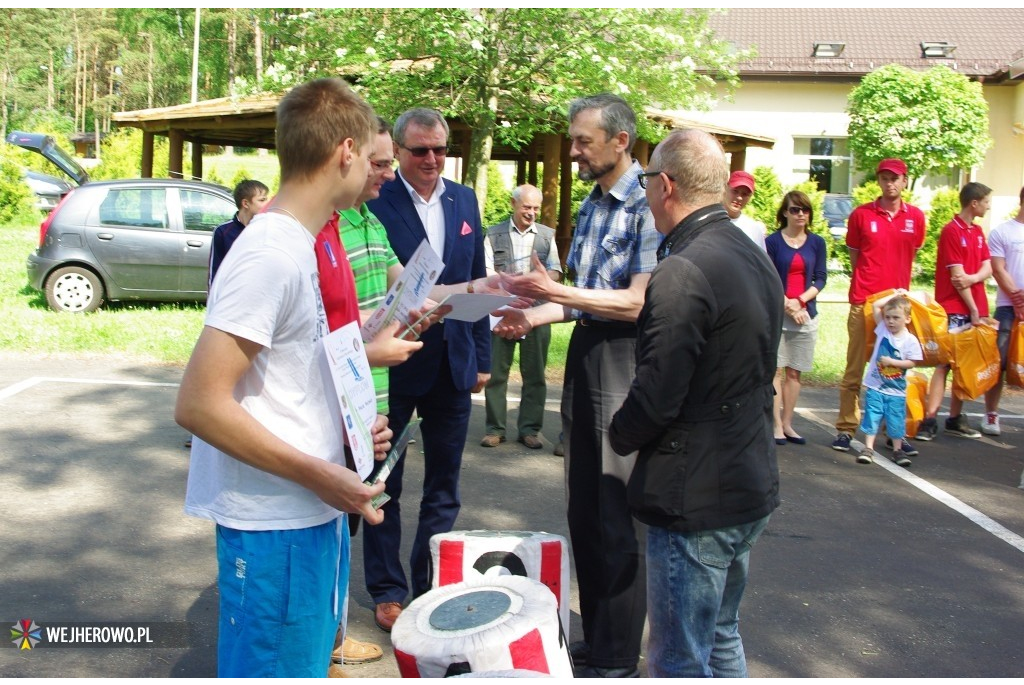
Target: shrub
{"type": "Point", "coordinates": [767, 198]}
{"type": "Point", "coordinates": [498, 203]}
{"type": "Point", "coordinates": [121, 156]}
{"type": "Point", "coordinates": [213, 177]}
{"type": "Point", "coordinates": [16, 203]}
{"type": "Point", "coordinates": [945, 204]}
{"type": "Point", "coordinates": [241, 175]}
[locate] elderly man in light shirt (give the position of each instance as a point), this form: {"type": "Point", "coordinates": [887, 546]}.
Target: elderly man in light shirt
{"type": "Point", "coordinates": [507, 249]}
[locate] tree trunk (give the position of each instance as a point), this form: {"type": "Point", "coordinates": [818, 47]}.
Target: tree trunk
{"type": "Point", "coordinates": [482, 144]}
{"type": "Point", "coordinates": [3, 102]}
{"type": "Point", "coordinates": [149, 76]}
{"type": "Point", "coordinates": [49, 84]}
{"type": "Point", "coordinates": [258, 48]}
{"type": "Point", "coordinates": [232, 46]}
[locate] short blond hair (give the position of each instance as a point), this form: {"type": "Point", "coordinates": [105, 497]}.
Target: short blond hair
{"type": "Point", "coordinates": [313, 119]}
{"type": "Point", "coordinates": [900, 302]}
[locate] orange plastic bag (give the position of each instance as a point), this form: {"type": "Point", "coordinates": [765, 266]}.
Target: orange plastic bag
{"type": "Point", "coordinates": [917, 392]}
{"type": "Point", "coordinates": [976, 364]}
{"type": "Point", "coordinates": [928, 322]}
{"type": "Point", "coordinates": [1015, 356]}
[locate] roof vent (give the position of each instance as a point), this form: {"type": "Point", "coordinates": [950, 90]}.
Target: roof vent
{"type": "Point", "coordinates": [937, 49]}
{"type": "Point", "coordinates": [828, 49]}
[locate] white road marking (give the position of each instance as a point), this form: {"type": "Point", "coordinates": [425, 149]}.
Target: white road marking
{"type": "Point", "coordinates": [965, 510]}
{"type": "Point", "coordinates": [36, 380]}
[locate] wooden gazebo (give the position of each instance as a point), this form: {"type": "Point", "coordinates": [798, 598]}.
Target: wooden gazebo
{"type": "Point", "coordinates": [251, 122]}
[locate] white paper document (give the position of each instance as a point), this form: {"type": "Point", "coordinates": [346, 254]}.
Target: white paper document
{"type": "Point", "coordinates": [349, 371]}
{"type": "Point", "coordinates": [408, 293]}
{"type": "Point", "coordinates": [474, 306]}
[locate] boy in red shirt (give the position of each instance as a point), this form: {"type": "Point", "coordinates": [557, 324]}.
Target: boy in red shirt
{"type": "Point", "coordinates": [962, 265]}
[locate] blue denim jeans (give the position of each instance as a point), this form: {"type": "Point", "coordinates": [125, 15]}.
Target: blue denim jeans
{"type": "Point", "coordinates": [695, 583]}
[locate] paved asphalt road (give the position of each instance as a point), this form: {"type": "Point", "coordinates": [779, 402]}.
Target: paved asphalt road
{"type": "Point", "coordinates": [865, 571]}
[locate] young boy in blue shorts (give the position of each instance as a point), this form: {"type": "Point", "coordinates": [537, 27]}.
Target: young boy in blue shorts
{"type": "Point", "coordinates": [268, 465]}
{"type": "Point", "coordinates": [885, 383]}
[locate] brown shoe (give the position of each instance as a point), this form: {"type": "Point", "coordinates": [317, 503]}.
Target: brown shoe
{"type": "Point", "coordinates": [385, 614]}
{"type": "Point", "coordinates": [356, 652]}
{"type": "Point", "coordinates": [559, 450]}
{"type": "Point", "coordinates": [336, 671]}
{"type": "Point", "coordinates": [492, 440]}
{"type": "Point", "coordinates": [531, 441]}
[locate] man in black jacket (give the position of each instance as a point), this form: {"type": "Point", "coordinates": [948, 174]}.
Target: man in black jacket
{"type": "Point", "coordinates": [699, 412]}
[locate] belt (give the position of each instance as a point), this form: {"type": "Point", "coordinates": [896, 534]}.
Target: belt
{"type": "Point", "coordinates": [596, 323]}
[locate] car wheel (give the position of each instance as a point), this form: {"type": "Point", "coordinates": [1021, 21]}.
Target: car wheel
{"type": "Point", "coordinates": [74, 289]}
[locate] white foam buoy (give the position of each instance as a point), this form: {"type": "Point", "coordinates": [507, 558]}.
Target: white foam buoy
{"type": "Point", "coordinates": [461, 555]}
{"type": "Point", "coordinates": [485, 624]}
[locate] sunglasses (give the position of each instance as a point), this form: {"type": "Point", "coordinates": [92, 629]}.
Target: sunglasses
{"type": "Point", "coordinates": [382, 166]}
{"type": "Point", "coordinates": [798, 210]}
{"type": "Point", "coordinates": [439, 151]}
{"type": "Point", "coordinates": [642, 178]}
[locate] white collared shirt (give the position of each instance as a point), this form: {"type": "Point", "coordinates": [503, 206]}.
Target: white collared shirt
{"type": "Point", "coordinates": [431, 214]}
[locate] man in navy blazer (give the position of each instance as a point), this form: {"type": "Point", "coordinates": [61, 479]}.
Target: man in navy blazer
{"type": "Point", "coordinates": [455, 359]}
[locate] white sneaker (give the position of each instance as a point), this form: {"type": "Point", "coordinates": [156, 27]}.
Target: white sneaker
{"type": "Point", "coordinates": [990, 426]}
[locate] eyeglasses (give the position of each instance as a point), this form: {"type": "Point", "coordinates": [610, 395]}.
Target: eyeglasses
{"type": "Point", "coordinates": [439, 151]}
{"type": "Point", "coordinates": [642, 178]}
{"type": "Point", "coordinates": [798, 210]}
{"type": "Point", "coordinates": [382, 166]}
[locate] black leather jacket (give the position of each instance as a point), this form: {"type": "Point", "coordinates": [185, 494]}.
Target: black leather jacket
{"type": "Point", "coordinates": [700, 407]}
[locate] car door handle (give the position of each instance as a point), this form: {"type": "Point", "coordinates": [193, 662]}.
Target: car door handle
{"type": "Point", "coordinates": [194, 243]}
{"type": "Point", "coordinates": [105, 236]}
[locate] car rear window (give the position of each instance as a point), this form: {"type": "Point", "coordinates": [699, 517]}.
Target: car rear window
{"type": "Point", "coordinates": [140, 207]}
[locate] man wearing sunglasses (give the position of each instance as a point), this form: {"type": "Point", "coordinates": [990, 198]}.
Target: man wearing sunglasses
{"type": "Point", "coordinates": [883, 236]}
{"type": "Point", "coordinates": [455, 359]}
{"type": "Point", "coordinates": [612, 253]}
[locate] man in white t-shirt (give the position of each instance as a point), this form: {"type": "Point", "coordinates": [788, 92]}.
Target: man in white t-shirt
{"type": "Point", "coordinates": [1006, 245]}
{"type": "Point", "coordinates": [741, 189]}
{"type": "Point", "coordinates": [268, 464]}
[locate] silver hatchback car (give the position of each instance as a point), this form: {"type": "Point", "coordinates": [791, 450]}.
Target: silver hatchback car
{"type": "Point", "coordinates": [138, 239]}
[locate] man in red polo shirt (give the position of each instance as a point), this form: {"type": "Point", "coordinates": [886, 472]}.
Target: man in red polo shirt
{"type": "Point", "coordinates": [883, 236]}
{"type": "Point", "coordinates": [962, 266]}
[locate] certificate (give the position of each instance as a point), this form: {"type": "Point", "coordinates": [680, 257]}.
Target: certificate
{"type": "Point", "coordinates": [408, 293]}
{"type": "Point", "coordinates": [349, 372]}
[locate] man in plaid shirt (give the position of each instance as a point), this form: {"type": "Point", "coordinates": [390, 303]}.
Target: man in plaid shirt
{"type": "Point", "coordinates": [610, 259]}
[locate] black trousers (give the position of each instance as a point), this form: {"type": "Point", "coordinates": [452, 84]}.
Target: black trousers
{"type": "Point", "coordinates": [607, 543]}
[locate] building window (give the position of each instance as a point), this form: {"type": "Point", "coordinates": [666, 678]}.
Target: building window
{"type": "Point", "coordinates": [825, 161]}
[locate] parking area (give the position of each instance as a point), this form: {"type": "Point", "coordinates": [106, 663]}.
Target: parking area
{"type": "Point", "coordinates": [865, 571]}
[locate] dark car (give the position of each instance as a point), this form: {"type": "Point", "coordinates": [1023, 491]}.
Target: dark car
{"type": "Point", "coordinates": [48, 190]}
{"type": "Point", "coordinates": [138, 239]}
{"type": "Point", "coordinates": [837, 209]}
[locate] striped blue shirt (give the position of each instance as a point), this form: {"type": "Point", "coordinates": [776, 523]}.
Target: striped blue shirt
{"type": "Point", "coordinates": [614, 238]}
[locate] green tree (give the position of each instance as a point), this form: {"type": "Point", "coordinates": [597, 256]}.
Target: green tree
{"type": "Point", "coordinates": [933, 120]}
{"type": "Point", "coordinates": [766, 199]}
{"type": "Point", "coordinates": [509, 73]}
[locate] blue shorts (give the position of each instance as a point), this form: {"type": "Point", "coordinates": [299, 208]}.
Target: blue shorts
{"type": "Point", "coordinates": [281, 593]}
{"type": "Point", "coordinates": [878, 406]}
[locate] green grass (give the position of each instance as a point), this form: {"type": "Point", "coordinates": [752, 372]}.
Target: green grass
{"type": "Point", "coordinates": [161, 332]}
{"type": "Point", "coordinates": [225, 167]}
{"type": "Point", "coordinates": [166, 332]}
